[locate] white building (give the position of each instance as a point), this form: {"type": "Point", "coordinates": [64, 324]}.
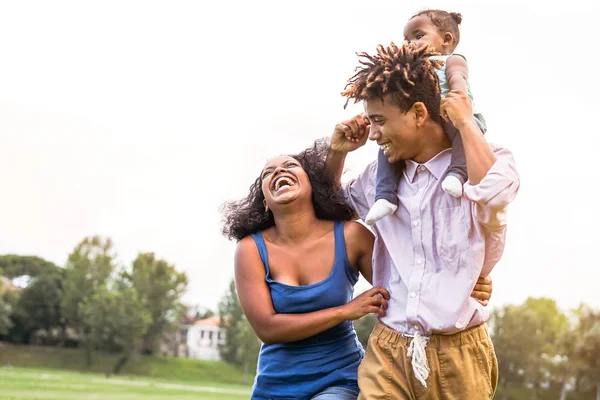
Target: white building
{"type": "Point", "coordinates": [203, 339]}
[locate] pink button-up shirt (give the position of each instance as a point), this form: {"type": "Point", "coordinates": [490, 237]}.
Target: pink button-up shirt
{"type": "Point", "coordinates": [431, 251]}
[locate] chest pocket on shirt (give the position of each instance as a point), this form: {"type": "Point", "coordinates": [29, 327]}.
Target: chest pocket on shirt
{"type": "Point", "coordinates": [451, 231]}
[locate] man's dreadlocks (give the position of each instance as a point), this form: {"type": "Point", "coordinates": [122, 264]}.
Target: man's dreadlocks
{"type": "Point", "coordinates": [406, 73]}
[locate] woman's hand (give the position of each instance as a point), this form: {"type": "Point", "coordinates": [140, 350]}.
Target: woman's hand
{"type": "Point", "coordinates": [372, 301]}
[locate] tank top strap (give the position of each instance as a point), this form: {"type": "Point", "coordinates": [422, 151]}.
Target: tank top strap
{"type": "Point", "coordinates": [341, 255]}
{"type": "Point", "coordinates": [262, 250]}
{"type": "Point", "coordinates": [340, 242]}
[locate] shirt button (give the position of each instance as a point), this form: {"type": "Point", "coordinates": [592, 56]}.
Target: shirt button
{"type": "Point", "coordinates": [413, 294]}
{"type": "Point", "coordinates": [415, 223]}
{"type": "Point", "coordinates": [419, 261]}
{"type": "Point", "coordinates": [422, 168]}
{"type": "Point", "coordinates": [416, 327]}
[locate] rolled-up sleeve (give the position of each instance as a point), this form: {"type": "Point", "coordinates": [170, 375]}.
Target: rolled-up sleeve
{"type": "Point", "coordinates": [355, 190]}
{"type": "Point", "coordinates": [496, 190]}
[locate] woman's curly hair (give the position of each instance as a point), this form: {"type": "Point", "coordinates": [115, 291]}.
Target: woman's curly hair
{"type": "Point", "coordinates": [248, 215]}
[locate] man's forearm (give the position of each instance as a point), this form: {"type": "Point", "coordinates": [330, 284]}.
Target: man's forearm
{"type": "Point", "coordinates": [480, 156]}
{"type": "Point", "coordinates": [334, 165]}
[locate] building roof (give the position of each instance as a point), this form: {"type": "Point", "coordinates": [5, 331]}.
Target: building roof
{"type": "Point", "coordinates": [210, 321]}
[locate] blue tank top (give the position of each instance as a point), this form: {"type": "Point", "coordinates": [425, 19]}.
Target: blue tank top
{"type": "Point", "coordinates": [300, 370]}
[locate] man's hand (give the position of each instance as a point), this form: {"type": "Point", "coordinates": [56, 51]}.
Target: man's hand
{"type": "Point", "coordinates": [483, 290]}
{"type": "Point", "coordinates": [350, 135]}
{"type": "Point", "coordinates": [457, 108]}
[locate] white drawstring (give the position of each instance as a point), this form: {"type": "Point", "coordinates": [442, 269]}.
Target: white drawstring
{"type": "Point", "coordinates": [416, 350]}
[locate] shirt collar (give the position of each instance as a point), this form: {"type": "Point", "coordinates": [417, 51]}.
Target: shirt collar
{"type": "Point", "coordinates": [437, 165]}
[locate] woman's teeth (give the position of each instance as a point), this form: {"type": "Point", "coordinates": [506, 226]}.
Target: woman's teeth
{"type": "Point", "coordinates": [282, 182]}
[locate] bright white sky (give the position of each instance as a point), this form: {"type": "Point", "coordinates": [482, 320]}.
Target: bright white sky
{"type": "Point", "coordinates": [137, 119]}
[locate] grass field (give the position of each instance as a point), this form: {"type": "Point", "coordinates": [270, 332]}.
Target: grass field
{"type": "Point", "coordinates": [170, 369]}
{"type": "Point", "coordinates": [32, 373]}
{"type": "Point", "coordinates": [33, 384]}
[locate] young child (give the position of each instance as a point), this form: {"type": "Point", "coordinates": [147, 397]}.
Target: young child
{"type": "Point", "coordinates": [438, 29]}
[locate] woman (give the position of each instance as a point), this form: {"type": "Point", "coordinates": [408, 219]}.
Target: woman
{"type": "Point", "coordinates": [297, 260]}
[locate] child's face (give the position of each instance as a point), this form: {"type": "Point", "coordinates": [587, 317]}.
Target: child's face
{"type": "Point", "coordinates": [421, 30]}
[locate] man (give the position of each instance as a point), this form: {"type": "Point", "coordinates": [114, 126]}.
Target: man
{"type": "Point", "coordinates": [433, 342]}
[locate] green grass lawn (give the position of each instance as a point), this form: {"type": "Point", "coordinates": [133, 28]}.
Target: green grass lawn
{"type": "Point", "coordinates": [33, 384]}
{"type": "Point", "coordinates": [17, 383]}
{"type": "Point", "coordinates": [162, 368]}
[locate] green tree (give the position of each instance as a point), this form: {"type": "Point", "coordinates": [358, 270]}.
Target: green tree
{"type": "Point", "coordinates": [117, 321]}
{"type": "Point", "coordinates": [510, 345]}
{"type": "Point", "coordinates": [526, 339]}
{"type": "Point", "coordinates": [548, 324]}
{"type": "Point", "coordinates": [160, 288]}
{"type": "Point", "coordinates": [232, 323]}
{"type": "Point", "coordinates": [88, 269]}
{"type": "Point", "coordinates": [10, 299]}
{"type": "Point", "coordinates": [248, 348]}
{"type": "Point", "coordinates": [5, 309]}
{"type": "Point", "coordinates": [203, 314]}
{"type": "Point", "coordinates": [570, 366]}
{"type": "Point", "coordinates": [563, 365]}
{"type": "Point", "coordinates": [588, 348]}
{"type": "Point", "coordinates": [38, 306]}
{"type": "Point", "coordinates": [15, 266]}
{"type": "Point", "coordinates": [241, 346]}
{"type": "Point", "coordinates": [40, 301]}
{"type": "Point", "coordinates": [27, 269]}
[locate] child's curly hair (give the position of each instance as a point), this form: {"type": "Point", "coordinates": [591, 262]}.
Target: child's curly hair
{"type": "Point", "coordinates": [444, 21]}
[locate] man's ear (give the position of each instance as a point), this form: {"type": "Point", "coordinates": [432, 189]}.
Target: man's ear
{"type": "Point", "coordinates": [420, 112]}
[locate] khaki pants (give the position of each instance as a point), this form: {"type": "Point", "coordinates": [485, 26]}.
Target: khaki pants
{"type": "Point", "coordinates": [462, 366]}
